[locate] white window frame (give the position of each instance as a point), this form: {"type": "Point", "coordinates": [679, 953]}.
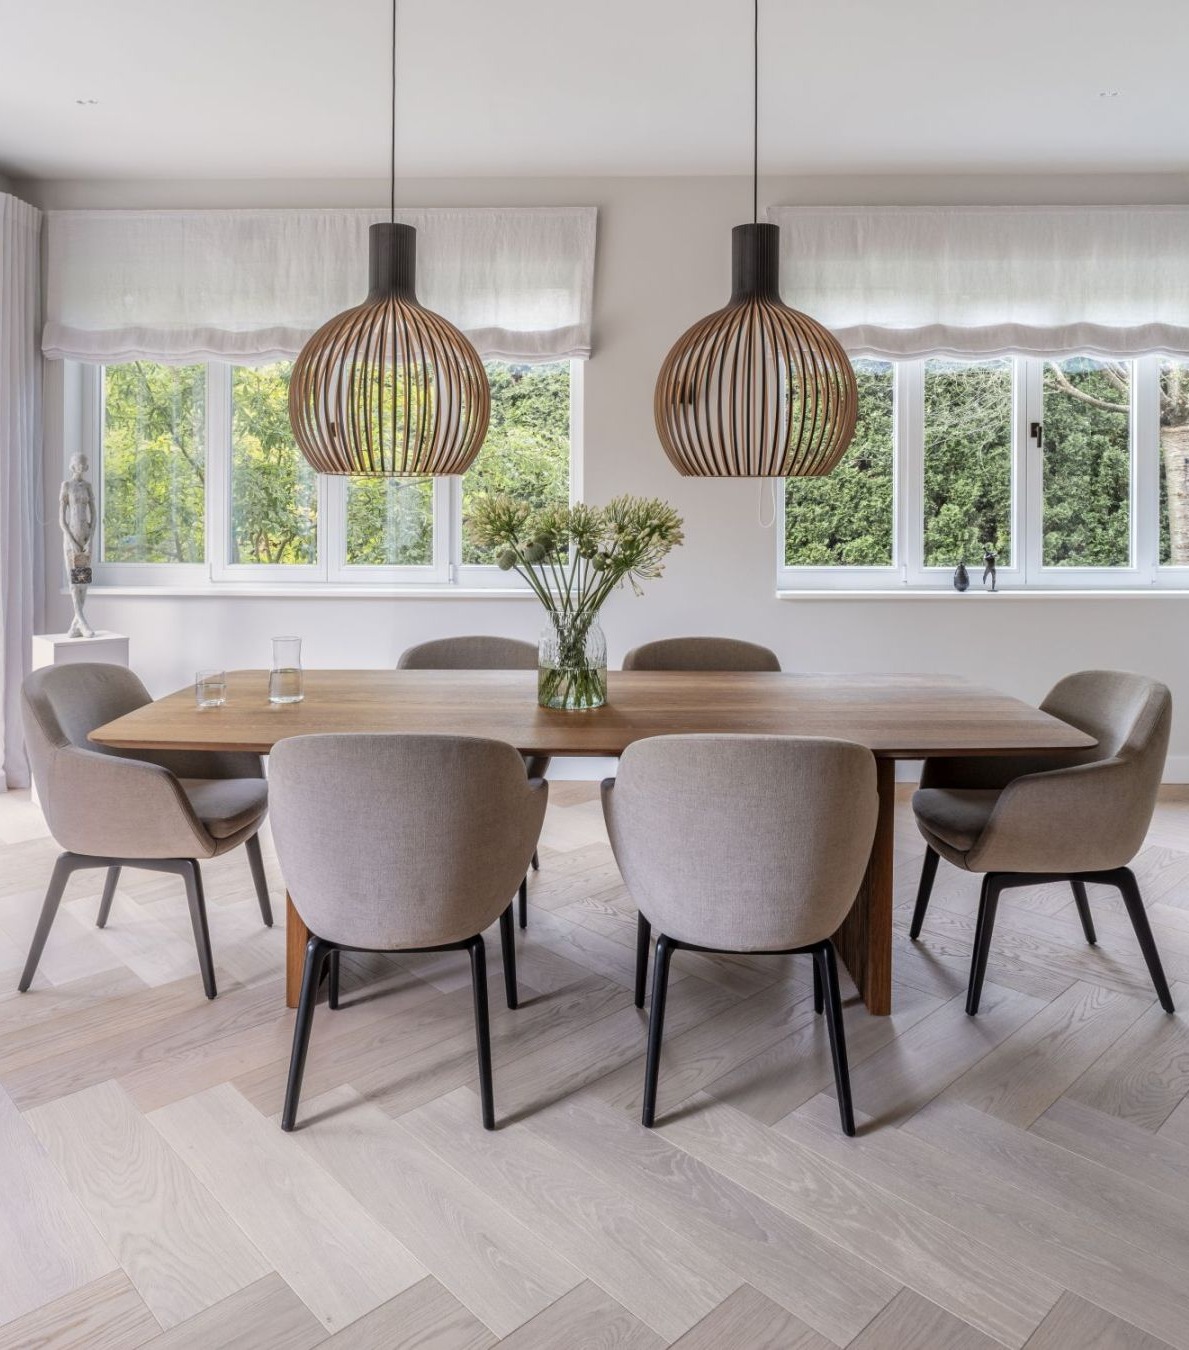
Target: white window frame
{"type": "Point", "coordinates": [1026, 570]}
{"type": "Point", "coordinates": [218, 573]}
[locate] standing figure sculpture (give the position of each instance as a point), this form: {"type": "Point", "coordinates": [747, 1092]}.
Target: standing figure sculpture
{"type": "Point", "coordinates": [989, 570]}
{"type": "Point", "coordinates": [77, 517]}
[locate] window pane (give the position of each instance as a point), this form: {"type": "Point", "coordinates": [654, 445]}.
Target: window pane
{"type": "Point", "coordinates": [527, 451]}
{"type": "Point", "coordinates": [967, 461]}
{"type": "Point", "coordinates": [1087, 463]}
{"type": "Point", "coordinates": [845, 519]}
{"type": "Point", "coordinates": [1174, 463]}
{"type": "Point", "coordinates": [390, 522]}
{"type": "Point", "coordinates": [154, 463]}
{"type": "Point", "coordinates": [274, 492]}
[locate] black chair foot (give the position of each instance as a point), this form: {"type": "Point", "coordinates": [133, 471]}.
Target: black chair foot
{"type": "Point", "coordinates": [824, 962]}
{"type": "Point", "coordinates": [643, 937]}
{"type": "Point", "coordinates": [1082, 901]}
{"type": "Point", "coordinates": [482, 1028]}
{"type": "Point", "coordinates": [111, 881]}
{"type": "Point", "coordinates": [656, 1025]}
{"type": "Point", "coordinates": [311, 977]}
{"type": "Point", "coordinates": [924, 891]}
{"type": "Point", "coordinates": [524, 903]}
{"type": "Point", "coordinates": [508, 948]}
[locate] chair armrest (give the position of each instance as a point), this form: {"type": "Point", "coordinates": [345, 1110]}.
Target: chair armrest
{"type": "Point", "coordinates": [113, 807]}
{"type": "Point", "coordinates": [1082, 818]}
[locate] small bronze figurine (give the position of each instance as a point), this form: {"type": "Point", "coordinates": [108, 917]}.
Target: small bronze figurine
{"type": "Point", "coordinates": [989, 569]}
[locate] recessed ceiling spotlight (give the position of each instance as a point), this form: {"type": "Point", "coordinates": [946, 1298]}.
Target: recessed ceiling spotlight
{"type": "Point", "coordinates": [1108, 93]}
{"type": "Point", "coordinates": [86, 102]}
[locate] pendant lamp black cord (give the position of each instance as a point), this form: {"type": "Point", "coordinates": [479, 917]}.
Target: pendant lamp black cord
{"type": "Point", "coordinates": [392, 161]}
{"type": "Point", "coordinates": [755, 122]}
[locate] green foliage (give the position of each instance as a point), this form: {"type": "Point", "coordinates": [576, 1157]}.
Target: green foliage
{"type": "Point", "coordinates": [526, 455]}
{"type": "Point", "coordinates": [154, 463]}
{"type": "Point", "coordinates": [390, 522]}
{"type": "Point", "coordinates": [274, 492]}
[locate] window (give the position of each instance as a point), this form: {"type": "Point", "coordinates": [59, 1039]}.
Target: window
{"type": "Point", "coordinates": [200, 480]}
{"type": "Point", "coordinates": [1073, 472]}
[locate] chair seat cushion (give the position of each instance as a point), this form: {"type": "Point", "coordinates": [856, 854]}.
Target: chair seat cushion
{"type": "Point", "coordinates": [956, 816]}
{"type": "Point", "coordinates": [226, 805]}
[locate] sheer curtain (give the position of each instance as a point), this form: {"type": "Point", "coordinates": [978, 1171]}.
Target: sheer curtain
{"type": "Point", "coordinates": [21, 581]}
{"type": "Point", "coordinates": [908, 281]}
{"type": "Point", "coordinates": [253, 285]}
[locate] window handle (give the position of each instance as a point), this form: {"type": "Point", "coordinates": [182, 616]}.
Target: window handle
{"type": "Point", "coordinates": [1036, 431]}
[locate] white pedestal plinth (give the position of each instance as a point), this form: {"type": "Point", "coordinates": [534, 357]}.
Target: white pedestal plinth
{"type": "Point", "coordinates": [56, 649]}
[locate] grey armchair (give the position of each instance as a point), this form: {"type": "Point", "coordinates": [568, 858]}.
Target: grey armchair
{"type": "Point", "coordinates": [1078, 818]}
{"type": "Point", "coordinates": [701, 653]}
{"type": "Point", "coordinates": [106, 809]}
{"type": "Point", "coordinates": [430, 873]}
{"type": "Point", "coordinates": [482, 652]}
{"type": "Point", "coordinates": [742, 844]}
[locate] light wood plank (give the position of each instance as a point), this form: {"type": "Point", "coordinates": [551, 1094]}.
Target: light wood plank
{"type": "Point", "coordinates": [266, 1315]}
{"type": "Point", "coordinates": [911, 1322]}
{"type": "Point", "coordinates": [48, 1246]}
{"type": "Point", "coordinates": [493, 1264]}
{"type": "Point", "coordinates": [748, 1319]}
{"type": "Point", "coordinates": [935, 1258]}
{"type": "Point", "coordinates": [1026, 1073]}
{"type": "Point", "coordinates": [426, 1317]}
{"type": "Point", "coordinates": [1076, 1323]}
{"type": "Point", "coordinates": [322, 1241]}
{"type": "Point", "coordinates": [657, 1273]}
{"type": "Point", "coordinates": [107, 1314]}
{"type": "Point", "coordinates": [584, 1319]}
{"type": "Point", "coordinates": [179, 1248]}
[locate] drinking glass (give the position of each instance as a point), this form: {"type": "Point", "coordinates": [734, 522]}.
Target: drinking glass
{"type": "Point", "coordinates": [284, 680]}
{"type": "Point", "coordinates": [210, 688]}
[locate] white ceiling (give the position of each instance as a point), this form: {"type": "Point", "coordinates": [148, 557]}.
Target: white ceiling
{"type": "Point", "coordinates": [299, 88]}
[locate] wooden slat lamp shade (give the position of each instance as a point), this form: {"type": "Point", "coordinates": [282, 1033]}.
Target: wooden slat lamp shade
{"type": "Point", "coordinates": [389, 388]}
{"type": "Point", "coordinates": [756, 390]}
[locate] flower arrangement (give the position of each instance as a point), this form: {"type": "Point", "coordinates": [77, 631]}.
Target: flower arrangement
{"type": "Point", "coordinates": [574, 557]}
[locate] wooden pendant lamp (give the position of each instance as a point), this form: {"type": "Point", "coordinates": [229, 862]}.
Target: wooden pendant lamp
{"type": "Point", "coordinates": [389, 388]}
{"type": "Point", "coordinates": [756, 389]}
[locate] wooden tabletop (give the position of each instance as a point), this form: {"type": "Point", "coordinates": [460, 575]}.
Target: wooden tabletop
{"type": "Point", "coordinates": [897, 716]}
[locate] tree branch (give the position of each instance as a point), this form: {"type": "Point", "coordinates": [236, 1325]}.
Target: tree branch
{"type": "Point", "coordinates": [1066, 386]}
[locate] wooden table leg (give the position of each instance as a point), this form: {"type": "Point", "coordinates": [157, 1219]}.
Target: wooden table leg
{"type": "Point", "coordinates": [296, 937]}
{"type": "Point", "coordinates": [864, 941]}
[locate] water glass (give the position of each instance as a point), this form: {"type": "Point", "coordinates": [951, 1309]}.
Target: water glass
{"type": "Point", "coordinates": [210, 688]}
{"type": "Point", "coordinates": [284, 680]}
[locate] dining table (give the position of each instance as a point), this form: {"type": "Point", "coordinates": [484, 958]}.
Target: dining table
{"type": "Point", "coordinates": [897, 716]}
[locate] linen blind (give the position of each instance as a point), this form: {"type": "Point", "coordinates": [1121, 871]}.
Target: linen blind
{"type": "Point", "coordinates": [991, 280]}
{"type": "Point", "coordinates": [253, 285]}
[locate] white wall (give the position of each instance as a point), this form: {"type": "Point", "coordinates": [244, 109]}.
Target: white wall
{"type": "Point", "coordinates": [663, 260]}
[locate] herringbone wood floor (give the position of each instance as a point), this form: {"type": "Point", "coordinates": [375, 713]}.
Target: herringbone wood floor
{"type": "Point", "coordinates": [1021, 1178]}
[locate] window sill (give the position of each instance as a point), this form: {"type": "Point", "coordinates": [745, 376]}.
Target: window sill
{"type": "Point", "coordinates": [1031, 593]}
{"type": "Point", "coordinates": [299, 591]}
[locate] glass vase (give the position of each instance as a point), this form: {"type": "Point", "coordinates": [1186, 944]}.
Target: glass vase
{"type": "Point", "coordinates": [572, 663]}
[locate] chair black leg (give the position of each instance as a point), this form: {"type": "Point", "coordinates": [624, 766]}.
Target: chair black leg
{"type": "Point", "coordinates": [256, 863]}
{"type": "Point", "coordinates": [49, 908]}
{"type": "Point", "coordinates": [110, 882]}
{"type": "Point", "coordinates": [524, 903]}
{"type": "Point", "coordinates": [536, 862]}
{"type": "Point", "coordinates": [482, 1028]}
{"type": "Point", "coordinates": [825, 964]}
{"type": "Point", "coordinates": [1129, 889]}
{"type": "Point", "coordinates": [192, 874]}
{"type": "Point", "coordinates": [311, 977]}
{"type": "Point", "coordinates": [508, 947]}
{"type": "Point", "coordinates": [656, 1025]}
{"type": "Point", "coordinates": [924, 891]}
{"type": "Point", "coordinates": [819, 1001]}
{"type": "Point", "coordinates": [988, 903]}
{"type": "Point", "coordinates": [332, 992]}
{"type": "Point", "coordinates": [1082, 900]}
{"type": "Point", "coordinates": [643, 937]}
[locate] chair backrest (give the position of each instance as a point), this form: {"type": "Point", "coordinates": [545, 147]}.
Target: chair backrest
{"type": "Point", "coordinates": [478, 652]}
{"type": "Point", "coordinates": [1129, 715]}
{"type": "Point", "coordinates": [743, 843]}
{"type": "Point", "coordinates": [391, 841]}
{"type": "Point", "coordinates": [701, 653]}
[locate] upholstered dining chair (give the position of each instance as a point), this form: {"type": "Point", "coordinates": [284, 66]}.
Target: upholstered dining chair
{"type": "Point", "coordinates": [382, 887]}
{"type": "Point", "coordinates": [161, 811]}
{"type": "Point", "coordinates": [482, 652]}
{"type": "Point", "coordinates": [701, 653]}
{"type": "Point", "coordinates": [1080, 817]}
{"type": "Point", "coordinates": [742, 844]}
